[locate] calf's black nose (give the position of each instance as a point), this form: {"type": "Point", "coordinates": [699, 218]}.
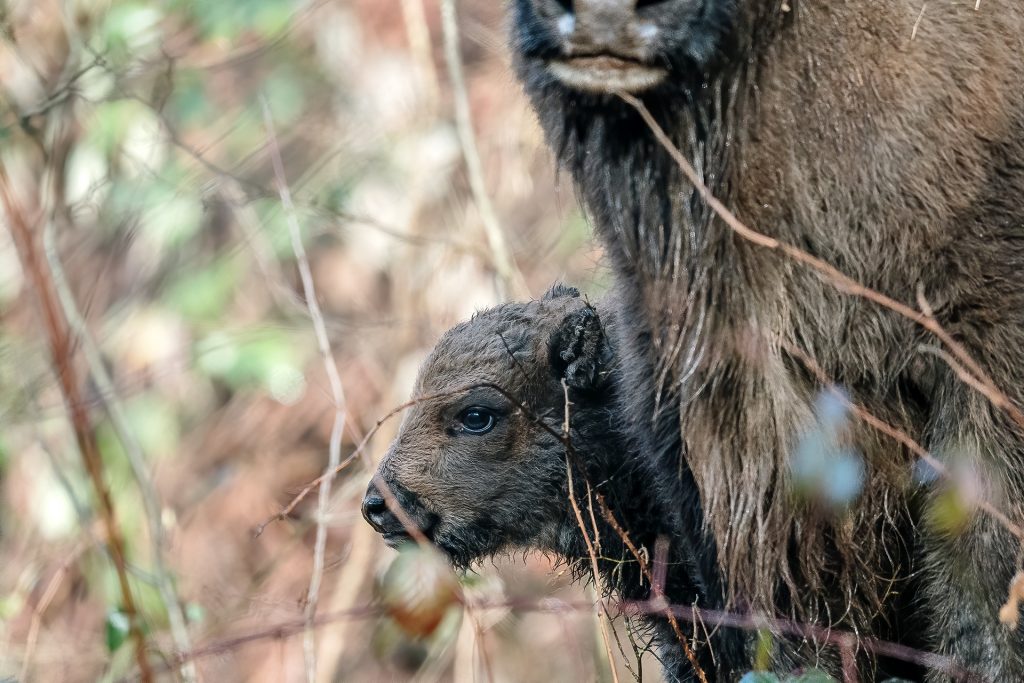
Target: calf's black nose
{"type": "Point", "coordinates": [375, 510]}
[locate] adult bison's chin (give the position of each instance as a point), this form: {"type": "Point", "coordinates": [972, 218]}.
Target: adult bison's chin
{"type": "Point", "coordinates": [601, 47]}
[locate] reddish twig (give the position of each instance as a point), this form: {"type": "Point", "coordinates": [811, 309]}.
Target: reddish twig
{"type": "Point", "coordinates": [62, 350]}
{"type": "Point", "coordinates": [842, 282]}
{"type": "Point", "coordinates": [602, 610]}
{"type": "Point", "coordinates": [900, 437]}
{"type": "Point", "coordinates": [839, 639]}
{"type": "Point", "coordinates": [717, 618]}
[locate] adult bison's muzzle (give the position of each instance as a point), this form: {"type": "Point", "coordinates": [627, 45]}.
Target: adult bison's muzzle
{"type": "Point", "coordinates": [609, 46]}
{"type": "Point", "coordinates": [384, 521]}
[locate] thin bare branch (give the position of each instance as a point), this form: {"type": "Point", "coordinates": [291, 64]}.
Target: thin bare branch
{"type": "Point", "coordinates": [62, 351]}
{"type": "Point", "coordinates": [333, 378]}
{"type": "Point", "coordinates": [507, 277]}
{"type": "Point", "coordinates": [602, 608]}
{"type": "Point", "coordinates": [108, 397]}
{"type": "Point", "coordinates": [966, 367]}
{"type": "Point", "coordinates": [133, 451]}
{"type": "Point", "coordinates": [900, 437]}
{"type": "Point", "coordinates": [842, 282]}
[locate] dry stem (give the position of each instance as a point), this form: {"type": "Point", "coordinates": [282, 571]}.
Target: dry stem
{"type": "Point", "coordinates": [506, 273]}
{"type": "Point", "coordinates": [62, 351]}
{"type": "Point", "coordinates": [334, 379]}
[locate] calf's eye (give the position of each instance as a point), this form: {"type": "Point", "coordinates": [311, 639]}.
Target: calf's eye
{"type": "Point", "coordinates": [477, 420]}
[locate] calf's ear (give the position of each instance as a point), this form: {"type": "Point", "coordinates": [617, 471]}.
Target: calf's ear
{"type": "Point", "coordinates": [558, 290]}
{"type": "Point", "coordinates": [579, 351]}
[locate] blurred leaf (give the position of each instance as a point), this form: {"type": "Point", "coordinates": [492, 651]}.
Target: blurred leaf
{"type": "Point", "coordinates": [148, 600]}
{"type": "Point", "coordinates": [54, 512]}
{"type": "Point", "coordinates": [116, 629]}
{"type": "Point", "coordinates": [131, 30]}
{"type": "Point", "coordinates": [285, 95]}
{"type": "Point", "coordinates": [419, 589]}
{"type": "Point", "coordinates": [109, 121]}
{"type": "Point", "coordinates": [173, 221]}
{"type": "Point", "coordinates": [923, 473]}
{"type": "Point", "coordinates": [824, 469]}
{"type": "Point", "coordinates": [195, 613]}
{"type": "Point", "coordinates": [228, 19]}
{"type": "Point", "coordinates": [189, 104]}
{"type": "Point", "coordinates": [392, 644]}
{"type": "Point", "coordinates": [204, 294]}
{"type": "Point", "coordinates": [10, 605]}
{"type": "Point", "coordinates": [86, 175]}
{"type": "Point", "coordinates": [154, 423]}
{"type": "Point", "coordinates": [268, 357]}
{"type": "Point", "coordinates": [164, 217]}
{"type": "Point", "coordinates": [763, 651]}
{"type": "Point", "coordinates": [759, 677]}
{"type": "Point", "coordinates": [275, 227]}
{"type": "Point", "coordinates": [948, 513]}
{"type": "Point", "coordinates": [334, 195]}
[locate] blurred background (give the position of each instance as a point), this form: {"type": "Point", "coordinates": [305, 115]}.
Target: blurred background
{"type": "Point", "coordinates": [137, 150]}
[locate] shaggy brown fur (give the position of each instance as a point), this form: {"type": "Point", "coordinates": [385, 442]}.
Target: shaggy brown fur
{"type": "Point", "coordinates": [882, 136]}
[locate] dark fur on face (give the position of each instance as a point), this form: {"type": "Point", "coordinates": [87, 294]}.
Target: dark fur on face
{"type": "Point", "coordinates": [478, 494]}
{"type": "Point", "coordinates": [470, 490]}
{"type": "Point", "coordinates": [887, 141]}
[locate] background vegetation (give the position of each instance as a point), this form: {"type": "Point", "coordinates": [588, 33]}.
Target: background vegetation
{"type": "Point", "coordinates": [138, 155]}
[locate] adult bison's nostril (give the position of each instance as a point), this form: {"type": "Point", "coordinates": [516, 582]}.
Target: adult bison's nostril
{"type": "Point", "coordinates": [607, 46]}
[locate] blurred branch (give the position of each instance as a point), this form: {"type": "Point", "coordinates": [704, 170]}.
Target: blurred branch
{"type": "Point", "coordinates": [133, 451]}
{"type": "Point", "coordinates": [334, 379]}
{"type": "Point", "coordinates": [60, 95]}
{"type": "Point", "coordinates": [900, 437]}
{"type": "Point", "coordinates": [508, 279]}
{"type": "Point", "coordinates": [845, 640]}
{"type": "Point", "coordinates": [418, 31]}
{"type": "Point", "coordinates": [39, 609]}
{"type": "Point", "coordinates": [249, 190]}
{"type": "Point", "coordinates": [62, 352]}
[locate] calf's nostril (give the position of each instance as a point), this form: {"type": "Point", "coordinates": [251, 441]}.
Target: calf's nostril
{"type": "Point", "coordinates": [374, 507]}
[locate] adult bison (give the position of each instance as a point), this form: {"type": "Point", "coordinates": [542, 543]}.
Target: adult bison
{"type": "Point", "coordinates": [886, 138]}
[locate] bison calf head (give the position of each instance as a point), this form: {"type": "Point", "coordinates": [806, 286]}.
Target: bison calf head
{"type": "Point", "coordinates": [478, 464]}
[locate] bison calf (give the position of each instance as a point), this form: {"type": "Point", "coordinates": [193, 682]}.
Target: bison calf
{"type": "Point", "coordinates": [480, 463]}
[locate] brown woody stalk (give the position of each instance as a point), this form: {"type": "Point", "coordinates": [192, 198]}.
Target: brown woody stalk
{"type": "Point", "coordinates": [62, 350]}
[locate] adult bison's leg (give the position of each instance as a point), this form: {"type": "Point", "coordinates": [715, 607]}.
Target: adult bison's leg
{"type": "Point", "coordinates": [968, 570]}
